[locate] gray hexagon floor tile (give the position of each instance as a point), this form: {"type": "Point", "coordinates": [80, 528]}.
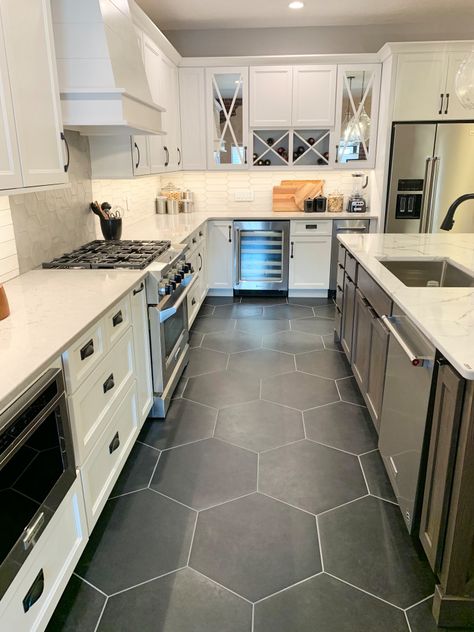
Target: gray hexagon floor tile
{"type": "Point", "coordinates": [315, 326]}
{"type": "Point", "coordinates": [223, 388]}
{"type": "Point", "coordinates": [292, 342]}
{"type": "Point", "coordinates": [325, 311]}
{"type": "Point", "coordinates": [342, 425]}
{"type": "Point", "coordinates": [327, 605]}
{"type": "Point", "coordinates": [287, 312]}
{"type": "Point", "coordinates": [376, 476]}
{"type": "Point", "coordinates": [261, 327]}
{"type": "Point", "coordinates": [350, 391]}
{"type": "Point", "coordinates": [179, 390]}
{"type": "Point", "coordinates": [206, 310]}
{"type": "Point", "coordinates": [212, 324]}
{"type": "Point", "coordinates": [78, 609]}
{"type": "Point", "coordinates": [239, 310]}
{"type": "Point", "coordinates": [262, 362]}
{"type": "Point", "coordinates": [330, 343]}
{"type": "Point", "coordinates": [195, 339]}
{"type": "Point", "coordinates": [367, 544]}
{"type": "Point", "coordinates": [299, 390]}
{"type": "Point", "coordinates": [221, 300]}
{"type": "Point", "coordinates": [185, 422]}
{"type": "Point", "coordinates": [259, 425]}
{"type": "Point", "coordinates": [311, 476]}
{"type": "Point", "coordinates": [137, 471]}
{"type": "Point", "coordinates": [311, 301]}
{"type": "Point", "coordinates": [205, 361]}
{"type": "Point", "coordinates": [206, 473]}
{"type": "Point", "coordinates": [421, 619]}
{"type": "Point", "coordinates": [140, 536]}
{"type": "Point", "coordinates": [264, 301]}
{"type": "Point", "coordinates": [184, 601]}
{"type": "Point", "coordinates": [330, 364]}
{"type": "Point", "coordinates": [232, 341]}
{"type": "Point", "coordinates": [255, 546]}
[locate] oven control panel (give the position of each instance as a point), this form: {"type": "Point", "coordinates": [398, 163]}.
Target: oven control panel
{"type": "Point", "coordinates": [175, 277]}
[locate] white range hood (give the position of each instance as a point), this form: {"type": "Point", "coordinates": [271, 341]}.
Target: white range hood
{"type": "Point", "coordinates": [102, 80]}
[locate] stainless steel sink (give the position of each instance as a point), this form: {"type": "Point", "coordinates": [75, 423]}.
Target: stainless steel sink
{"type": "Point", "coordinates": [424, 273]}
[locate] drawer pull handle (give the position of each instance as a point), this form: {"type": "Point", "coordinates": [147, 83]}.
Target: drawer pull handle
{"type": "Point", "coordinates": [339, 288]}
{"type": "Point", "coordinates": [194, 240]}
{"type": "Point", "coordinates": [193, 302]}
{"type": "Point", "coordinates": [140, 289]}
{"type": "Point", "coordinates": [31, 533]}
{"type": "Point", "coordinates": [35, 591]}
{"type": "Point", "coordinates": [109, 383]}
{"type": "Point", "coordinates": [201, 233]}
{"type": "Point", "coordinates": [87, 350]}
{"type": "Point", "coordinates": [117, 319]}
{"type": "Point", "coordinates": [115, 443]}
{"type": "Point", "coordinates": [292, 252]}
{"type": "Point", "coordinates": [200, 261]}
{"type": "Point", "coordinates": [311, 226]}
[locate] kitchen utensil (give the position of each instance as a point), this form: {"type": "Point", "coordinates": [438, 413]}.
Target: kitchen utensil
{"type": "Point", "coordinates": [161, 204]}
{"type": "Point", "coordinates": [111, 228]}
{"type": "Point", "coordinates": [335, 202]}
{"type": "Point", "coordinates": [319, 204]}
{"type": "Point", "coordinates": [172, 206]}
{"type": "Point", "coordinates": [4, 307]}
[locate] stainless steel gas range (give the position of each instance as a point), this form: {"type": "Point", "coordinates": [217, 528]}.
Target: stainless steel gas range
{"type": "Point", "coordinates": [168, 282]}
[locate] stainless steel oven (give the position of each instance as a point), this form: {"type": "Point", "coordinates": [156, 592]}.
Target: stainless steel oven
{"type": "Point", "coordinates": [37, 469]}
{"type": "Point", "coordinates": [169, 335]}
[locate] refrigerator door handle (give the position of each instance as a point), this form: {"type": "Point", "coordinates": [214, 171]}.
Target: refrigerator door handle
{"type": "Point", "coordinates": [433, 186]}
{"type": "Point", "coordinates": [426, 208]}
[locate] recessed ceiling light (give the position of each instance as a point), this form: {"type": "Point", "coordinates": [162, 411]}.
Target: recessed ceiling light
{"type": "Point", "coordinates": [296, 4]}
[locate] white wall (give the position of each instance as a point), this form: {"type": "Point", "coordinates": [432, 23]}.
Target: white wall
{"type": "Point", "coordinates": [8, 254]}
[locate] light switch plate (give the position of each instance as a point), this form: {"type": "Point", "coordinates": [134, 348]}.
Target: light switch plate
{"type": "Point", "coordinates": [243, 195]}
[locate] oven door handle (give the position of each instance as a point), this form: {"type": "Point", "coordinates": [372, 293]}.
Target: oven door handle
{"type": "Point", "coordinates": [171, 311]}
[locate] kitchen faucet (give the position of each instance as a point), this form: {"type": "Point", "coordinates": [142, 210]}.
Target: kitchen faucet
{"type": "Point", "coordinates": [448, 221]}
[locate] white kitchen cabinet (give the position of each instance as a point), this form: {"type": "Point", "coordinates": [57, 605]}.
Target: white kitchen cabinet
{"type": "Point", "coordinates": [30, 92]}
{"type": "Point", "coordinates": [140, 153]}
{"type": "Point", "coordinates": [314, 96]}
{"type": "Point", "coordinates": [357, 109]}
{"type": "Point", "coordinates": [310, 254]}
{"type": "Point", "coordinates": [270, 96]}
{"type": "Point", "coordinates": [424, 88]}
{"type": "Point", "coordinates": [227, 117]}
{"type": "Point", "coordinates": [193, 118]}
{"type": "Point", "coordinates": [220, 250]}
{"type": "Point", "coordinates": [141, 345]}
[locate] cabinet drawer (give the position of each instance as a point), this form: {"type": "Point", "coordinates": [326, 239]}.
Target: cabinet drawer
{"type": "Point", "coordinates": [117, 320]}
{"type": "Point", "coordinates": [340, 275]}
{"type": "Point", "coordinates": [351, 267]}
{"type": "Point", "coordinates": [379, 300]}
{"type": "Point", "coordinates": [311, 227]}
{"type": "Point", "coordinates": [341, 255]}
{"type": "Point", "coordinates": [339, 296]}
{"type": "Point", "coordinates": [194, 300]}
{"type": "Point", "coordinates": [84, 355]}
{"type": "Point", "coordinates": [51, 562]}
{"type": "Point", "coordinates": [95, 400]}
{"type": "Point", "coordinates": [105, 462]}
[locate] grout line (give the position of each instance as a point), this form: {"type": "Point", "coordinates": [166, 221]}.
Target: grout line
{"type": "Point", "coordinates": [89, 584]}
{"type": "Point", "coordinates": [320, 543]}
{"type": "Point", "coordinates": [369, 452]}
{"type": "Point", "coordinates": [321, 377]}
{"type": "Point", "coordinates": [349, 502]}
{"type": "Point", "coordinates": [181, 445]}
{"type": "Point", "coordinates": [385, 500]}
{"type": "Point", "coordinates": [338, 391]}
{"type": "Point", "coordinates": [101, 614]}
{"type": "Point", "coordinates": [173, 499]}
{"type": "Point", "coordinates": [331, 447]}
{"type": "Point", "coordinates": [363, 474]}
{"type": "Point", "coordinates": [288, 504]}
{"type": "Point", "coordinates": [269, 401]}
{"type": "Point", "coordinates": [407, 622]}
{"type": "Point", "coordinates": [364, 591]}
{"type": "Point", "coordinates": [224, 502]}
{"type": "Point", "coordinates": [222, 585]}
{"type": "Point", "coordinates": [235, 445]}
{"type": "Point", "coordinates": [258, 469]}
{"type": "Point", "coordinates": [282, 590]}
{"type": "Point", "coordinates": [307, 410]}
{"type": "Point", "coordinates": [419, 602]}
{"type": "Point", "coordinates": [252, 623]}
{"type": "Point", "coordinates": [283, 445]}
{"type": "Point", "coordinates": [154, 469]}
{"type": "Point", "coordinates": [188, 399]}
{"type": "Point", "coordinates": [147, 581]}
{"type": "Point", "coordinates": [304, 425]}
{"type": "Point", "coordinates": [127, 493]}
{"type": "Point", "coordinates": [148, 445]}
{"type": "Point", "coordinates": [192, 539]}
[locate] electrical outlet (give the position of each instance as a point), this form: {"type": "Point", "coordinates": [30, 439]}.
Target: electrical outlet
{"type": "Point", "coordinates": [243, 195]}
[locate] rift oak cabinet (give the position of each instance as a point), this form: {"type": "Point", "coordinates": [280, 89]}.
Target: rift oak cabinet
{"type": "Point", "coordinates": [362, 333]}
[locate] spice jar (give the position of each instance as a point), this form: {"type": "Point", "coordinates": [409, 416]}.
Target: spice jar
{"type": "Point", "coordinates": [171, 192]}
{"type": "Point", "coordinates": [335, 202]}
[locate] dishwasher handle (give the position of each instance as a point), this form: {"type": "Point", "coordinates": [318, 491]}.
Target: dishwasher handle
{"type": "Point", "coordinates": [415, 359]}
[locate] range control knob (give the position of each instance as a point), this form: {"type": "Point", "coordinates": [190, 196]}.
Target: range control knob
{"type": "Point", "coordinates": [168, 288]}
{"type": "Point", "coordinates": [173, 285]}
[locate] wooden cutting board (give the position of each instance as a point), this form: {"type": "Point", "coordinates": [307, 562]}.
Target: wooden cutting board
{"type": "Point", "coordinates": [284, 195]}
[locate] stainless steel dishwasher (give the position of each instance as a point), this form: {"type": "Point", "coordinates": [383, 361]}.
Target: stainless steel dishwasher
{"type": "Point", "coordinates": [343, 227]}
{"type": "Point", "coordinates": [261, 256]}
{"type": "Point", "coordinates": [408, 382]}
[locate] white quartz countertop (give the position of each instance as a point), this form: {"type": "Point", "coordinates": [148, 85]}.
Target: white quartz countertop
{"type": "Point", "coordinates": [49, 309]}
{"type": "Point", "coordinates": [444, 315]}
{"type": "Point", "coordinates": [178, 227]}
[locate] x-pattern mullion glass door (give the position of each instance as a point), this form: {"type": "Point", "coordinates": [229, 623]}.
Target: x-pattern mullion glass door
{"type": "Point", "coordinates": [227, 108]}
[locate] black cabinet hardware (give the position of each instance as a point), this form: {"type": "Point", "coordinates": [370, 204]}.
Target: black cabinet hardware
{"type": "Point", "coordinates": [87, 350]}
{"type": "Point", "coordinates": [109, 383]}
{"type": "Point", "coordinates": [68, 159]}
{"type": "Point", "coordinates": [447, 103]}
{"type": "Point", "coordinates": [140, 289]}
{"type": "Point", "coordinates": [292, 251]}
{"type": "Point", "coordinates": [115, 443]}
{"type": "Point", "coordinates": [179, 156]}
{"type": "Point", "coordinates": [441, 104]}
{"type": "Point", "coordinates": [230, 234]}
{"type": "Point", "coordinates": [117, 319]}
{"type": "Point", "coordinates": [138, 155]}
{"type": "Point", "coordinates": [35, 592]}
{"type": "Point", "coordinates": [167, 153]}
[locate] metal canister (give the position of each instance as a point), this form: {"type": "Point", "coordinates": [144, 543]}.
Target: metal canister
{"type": "Point", "coordinates": [187, 206]}
{"type": "Point", "coordinates": [161, 204]}
{"type": "Point", "coordinates": [172, 206]}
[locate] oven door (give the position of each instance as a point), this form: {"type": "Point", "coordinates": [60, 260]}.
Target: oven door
{"type": "Point", "coordinates": [168, 335]}
{"type": "Point", "coordinates": [37, 469]}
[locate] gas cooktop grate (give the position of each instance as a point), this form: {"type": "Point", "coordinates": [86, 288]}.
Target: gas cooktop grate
{"type": "Point", "coordinates": [134, 254]}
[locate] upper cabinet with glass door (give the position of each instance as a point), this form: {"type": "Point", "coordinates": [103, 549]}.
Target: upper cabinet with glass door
{"type": "Point", "coordinates": [227, 116]}
{"type": "Point", "coordinates": [357, 106]}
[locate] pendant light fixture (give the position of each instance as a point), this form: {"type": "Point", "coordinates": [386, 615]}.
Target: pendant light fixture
{"type": "Point", "coordinates": [464, 82]}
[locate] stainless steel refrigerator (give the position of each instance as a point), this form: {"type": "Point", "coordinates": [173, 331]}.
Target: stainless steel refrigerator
{"type": "Point", "coordinates": [432, 164]}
